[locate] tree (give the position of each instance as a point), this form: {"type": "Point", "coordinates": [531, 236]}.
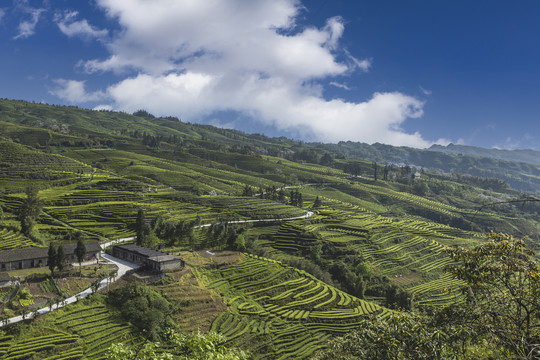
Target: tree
{"type": "Point", "coordinates": [281, 195]}
{"type": "Point", "coordinates": [30, 210]}
{"type": "Point", "coordinates": [419, 187]}
{"type": "Point", "coordinates": [51, 258]}
{"type": "Point", "coordinates": [142, 228]}
{"type": "Point", "coordinates": [375, 166]}
{"type": "Point", "coordinates": [248, 191]}
{"type": "Point", "coordinates": [60, 258]}
{"type": "Point", "coordinates": [397, 336]}
{"type": "Point", "coordinates": [296, 198]}
{"type": "Point", "coordinates": [95, 285]}
{"type": "Point", "coordinates": [352, 168]}
{"type": "Point", "coordinates": [80, 252]}
{"type": "Point", "coordinates": [502, 291]}
{"type": "Point", "coordinates": [240, 243]}
{"type": "Point", "coordinates": [317, 203]}
{"type": "Point", "coordinates": [326, 159]}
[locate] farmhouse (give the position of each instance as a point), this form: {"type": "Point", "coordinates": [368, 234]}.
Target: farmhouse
{"type": "Point", "coordinates": [32, 257]}
{"type": "Point", "coordinates": [153, 259]}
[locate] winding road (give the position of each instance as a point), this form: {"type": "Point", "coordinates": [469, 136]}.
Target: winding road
{"type": "Point", "coordinates": [123, 267]}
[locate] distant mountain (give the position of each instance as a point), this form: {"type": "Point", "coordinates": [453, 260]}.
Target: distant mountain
{"type": "Point", "coordinates": [528, 156]}
{"type": "Point", "coordinates": [519, 168]}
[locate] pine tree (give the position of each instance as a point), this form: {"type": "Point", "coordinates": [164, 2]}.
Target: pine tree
{"type": "Point", "coordinates": [60, 258]}
{"type": "Point", "coordinates": [80, 252]}
{"type": "Point", "coordinates": [141, 228]}
{"type": "Point", "coordinates": [51, 258]}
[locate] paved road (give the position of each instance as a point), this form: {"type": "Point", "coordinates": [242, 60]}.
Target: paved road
{"type": "Point", "coordinates": [123, 267]}
{"type": "Point", "coordinates": [308, 214]}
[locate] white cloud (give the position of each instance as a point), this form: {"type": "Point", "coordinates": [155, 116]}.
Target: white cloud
{"type": "Point", "coordinates": [103, 107]}
{"type": "Point", "coordinates": [2, 13]}
{"type": "Point", "coordinates": [340, 85]}
{"type": "Point", "coordinates": [70, 27]}
{"type": "Point", "coordinates": [74, 91]}
{"type": "Point", "coordinates": [196, 58]}
{"type": "Point", "coordinates": [170, 94]}
{"type": "Point", "coordinates": [27, 28]}
{"type": "Point", "coordinates": [425, 91]}
{"type": "Point", "coordinates": [276, 103]}
{"type": "Point", "coordinates": [363, 65]}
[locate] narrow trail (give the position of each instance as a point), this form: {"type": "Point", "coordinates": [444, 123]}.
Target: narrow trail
{"type": "Point", "coordinates": [123, 267]}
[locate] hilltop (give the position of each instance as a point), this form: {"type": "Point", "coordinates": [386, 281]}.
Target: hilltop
{"type": "Point", "coordinates": [382, 219]}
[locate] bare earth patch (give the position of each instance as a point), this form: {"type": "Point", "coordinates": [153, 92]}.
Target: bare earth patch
{"type": "Point", "coordinates": [197, 306]}
{"type": "Point", "coordinates": [221, 257]}
{"type": "Point", "coordinates": [408, 279]}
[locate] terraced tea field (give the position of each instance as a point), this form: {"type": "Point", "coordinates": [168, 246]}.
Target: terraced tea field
{"type": "Point", "coordinates": [392, 246]}
{"type": "Point", "coordinates": [13, 240]}
{"type": "Point", "coordinates": [95, 326]}
{"type": "Point", "coordinates": [54, 346]}
{"type": "Point", "coordinates": [280, 311]}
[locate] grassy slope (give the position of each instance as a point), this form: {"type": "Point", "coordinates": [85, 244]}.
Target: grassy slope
{"type": "Point", "coordinates": [96, 174]}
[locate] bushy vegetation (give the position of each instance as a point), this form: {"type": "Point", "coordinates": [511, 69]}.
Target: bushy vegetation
{"type": "Point", "coordinates": [143, 307]}
{"type": "Point", "coordinates": [196, 346]}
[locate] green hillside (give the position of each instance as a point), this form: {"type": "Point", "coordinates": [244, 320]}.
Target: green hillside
{"type": "Point", "coordinates": [330, 236]}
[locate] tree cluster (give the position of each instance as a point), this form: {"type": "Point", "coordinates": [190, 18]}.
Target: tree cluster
{"type": "Point", "coordinates": [169, 231]}
{"type": "Point", "coordinates": [295, 198]}
{"type": "Point", "coordinates": [143, 307]}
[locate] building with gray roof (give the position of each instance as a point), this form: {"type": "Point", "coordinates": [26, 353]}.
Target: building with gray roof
{"type": "Point", "coordinates": [32, 257]}
{"type": "Point", "coordinates": [146, 257]}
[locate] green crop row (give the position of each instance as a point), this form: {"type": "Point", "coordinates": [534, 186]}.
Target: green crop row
{"type": "Point", "coordinates": [28, 348]}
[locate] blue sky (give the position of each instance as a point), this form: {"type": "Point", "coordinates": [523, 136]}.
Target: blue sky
{"type": "Point", "coordinates": [399, 72]}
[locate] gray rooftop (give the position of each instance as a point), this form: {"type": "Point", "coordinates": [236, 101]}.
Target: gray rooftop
{"type": "Point", "coordinates": [151, 254]}
{"type": "Point", "coordinates": [30, 253]}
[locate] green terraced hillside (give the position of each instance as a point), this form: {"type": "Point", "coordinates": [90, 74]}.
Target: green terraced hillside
{"type": "Point", "coordinates": [327, 241]}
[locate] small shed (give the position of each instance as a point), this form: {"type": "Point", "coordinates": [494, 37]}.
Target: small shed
{"type": "Point", "coordinates": [146, 257]}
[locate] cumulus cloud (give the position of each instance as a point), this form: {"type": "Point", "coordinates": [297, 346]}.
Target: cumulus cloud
{"type": "Point", "coordinates": [74, 91]}
{"type": "Point", "coordinates": [27, 27]}
{"type": "Point", "coordinates": [71, 27]}
{"type": "Point", "coordinates": [194, 59]}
